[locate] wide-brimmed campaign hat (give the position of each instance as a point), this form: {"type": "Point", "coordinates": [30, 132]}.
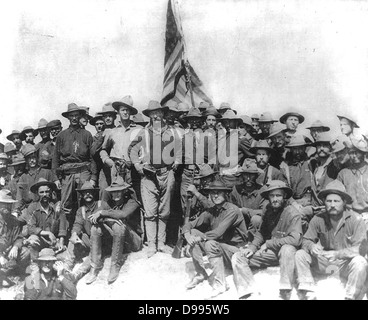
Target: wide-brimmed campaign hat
{"type": "Point", "coordinates": [297, 141]}
{"type": "Point", "coordinates": [224, 106]}
{"type": "Point", "coordinates": [42, 124]}
{"type": "Point", "coordinates": [172, 106]}
{"type": "Point", "coordinates": [274, 185]}
{"type": "Point", "coordinates": [246, 120]}
{"type": "Point", "coordinates": [204, 171]}
{"type": "Point", "coordinates": [255, 116]}
{"type": "Point", "coordinates": [353, 121]}
{"type": "Point", "coordinates": [54, 123]}
{"type": "Point", "coordinates": [183, 107]}
{"type": "Point", "coordinates": [152, 106]}
{"type": "Point", "coordinates": [87, 115]}
{"type": "Point", "coordinates": [87, 186]}
{"type": "Point", "coordinates": [6, 197]}
{"type": "Point", "coordinates": [193, 113]}
{"type": "Point", "coordinates": [10, 136]}
{"type": "Point", "coordinates": [28, 149]}
{"type": "Point", "coordinates": [230, 115]}
{"type": "Point", "coordinates": [323, 137]}
{"type": "Point", "coordinates": [98, 116]}
{"type": "Point", "coordinates": [139, 119]}
{"type": "Point", "coordinates": [107, 108]}
{"type": "Point", "coordinates": [335, 187]}
{"type": "Point", "coordinates": [291, 114]}
{"type": "Point", "coordinates": [71, 108]}
{"type": "Point", "coordinates": [127, 101]}
{"type": "Point", "coordinates": [360, 144]}
{"type": "Point", "coordinates": [9, 147]}
{"type": "Point", "coordinates": [42, 182]}
{"type": "Point", "coordinates": [266, 117]}
{"type": "Point", "coordinates": [249, 166]}
{"type": "Point", "coordinates": [338, 145]}
{"type": "Point", "coordinates": [17, 159]}
{"type": "Point", "coordinates": [211, 111]}
{"type": "Point", "coordinates": [46, 254]}
{"type": "Point", "coordinates": [261, 144]}
{"type": "Point", "coordinates": [276, 128]}
{"type": "Point", "coordinates": [217, 185]}
{"type": "Point", "coordinates": [25, 130]}
{"type": "Point", "coordinates": [118, 184]}
{"type": "Point", "coordinates": [203, 106]}
{"type": "Point", "coordinates": [318, 125]}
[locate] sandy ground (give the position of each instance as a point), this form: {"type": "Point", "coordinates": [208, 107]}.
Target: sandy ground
{"type": "Point", "coordinates": [164, 278]}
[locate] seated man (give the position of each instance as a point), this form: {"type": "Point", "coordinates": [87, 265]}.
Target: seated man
{"type": "Point", "coordinates": [335, 240]}
{"type": "Point", "coordinates": [12, 253]}
{"type": "Point", "coordinates": [247, 196]}
{"type": "Point", "coordinates": [225, 233]}
{"type": "Point", "coordinates": [274, 244]}
{"type": "Point", "coordinates": [46, 223]}
{"type": "Point", "coordinates": [122, 222]}
{"type": "Point", "coordinates": [47, 280]}
{"type": "Point", "coordinates": [79, 245]}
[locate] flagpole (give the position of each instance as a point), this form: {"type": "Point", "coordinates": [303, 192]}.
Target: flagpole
{"type": "Point", "coordinates": [186, 63]}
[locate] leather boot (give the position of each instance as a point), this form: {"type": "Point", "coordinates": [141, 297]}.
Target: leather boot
{"type": "Point", "coordinates": [161, 238]}
{"type": "Point", "coordinates": [151, 232]}
{"type": "Point", "coordinates": [92, 276]}
{"type": "Point", "coordinates": [116, 252]}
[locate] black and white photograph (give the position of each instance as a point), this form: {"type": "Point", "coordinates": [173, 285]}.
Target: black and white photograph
{"type": "Point", "coordinates": [182, 150]}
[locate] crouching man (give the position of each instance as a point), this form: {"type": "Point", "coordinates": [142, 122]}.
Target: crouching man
{"type": "Point", "coordinates": [336, 240]}
{"type": "Point", "coordinates": [79, 245]}
{"type": "Point", "coordinates": [226, 232]}
{"type": "Point", "coordinates": [122, 223]}
{"type": "Point", "coordinates": [274, 244]}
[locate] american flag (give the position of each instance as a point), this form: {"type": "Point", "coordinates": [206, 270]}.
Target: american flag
{"type": "Point", "coordinates": [178, 72]}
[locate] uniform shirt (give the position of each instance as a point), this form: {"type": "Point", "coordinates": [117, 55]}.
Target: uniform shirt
{"type": "Point", "coordinates": [127, 210]}
{"type": "Point", "coordinates": [46, 221]}
{"type": "Point", "coordinates": [253, 201]}
{"type": "Point", "coordinates": [48, 150]}
{"type": "Point", "coordinates": [117, 141]}
{"type": "Point", "coordinates": [278, 229]}
{"type": "Point", "coordinates": [82, 223]}
{"type": "Point", "coordinates": [355, 181]}
{"type": "Point", "coordinates": [73, 145]}
{"type": "Point", "coordinates": [270, 173]}
{"type": "Point", "coordinates": [349, 239]}
{"type": "Point", "coordinates": [226, 225]}
{"type": "Point", "coordinates": [10, 233]}
{"type": "Point", "coordinates": [24, 195]}
{"type": "Point", "coordinates": [155, 147]}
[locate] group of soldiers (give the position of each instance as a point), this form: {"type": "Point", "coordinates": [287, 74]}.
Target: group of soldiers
{"type": "Point", "coordinates": [246, 192]}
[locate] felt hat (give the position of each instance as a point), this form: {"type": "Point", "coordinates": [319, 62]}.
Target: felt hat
{"type": "Point", "coordinates": [42, 124]}
{"type": "Point", "coordinates": [87, 115]}
{"type": "Point", "coordinates": [138, 119]}
{"type": "Point", "coordinates": [10, 136]}
{"type": "Point", "coordinates": [71, 108]}
{"type": "Point", "coordinates": [152, 106]}
{"type": "Point", "coordinates": [46, 254]}
{"type": "Point", "coordinates": [118, 184]}
{"type": "Point", "coordinates": [98, 116]}
{"type": "Point", "coordinates": [246, 120]}
{"type": "Point", "coordinates": [5, 196]}
{"type": "Point", "coordinates": [3, 156]}
{"type": "Point", "coordinates": [203, 106]}
{"type": "Point", "coordinates": [127, 101]}
{"type": "Point", "coordinates": [193, 113]}
{"type": "Point", "coordinates": [261, 144]}
{"type": "Point", "coordinates": [335, 187]}
{"type": "Point", "coordinates": [172, 106]}
{"type": "Point", "coordinates": [297, 141]}
{"type": "Point", "coordinates": [249, 166]}
{"type": "Point", "coordinates": [255, 116]}
{"type": "Point", "coordinates": [360, 144]}
{"type": "Point", "coordinates": [28, 149]}
{"type": "Point", "coordinates": [9, 147]}
{"type": "Point", "coordinates": [211, 111]}
{"type": "Point", "coordinates": [353, 121]}
{"type": "Point", "coordinates": [25, 130]}
{"type": "Point", "coordinates": [54, 123]}
{"type": "Point", "coordinates": [291, 114]}
{"type": "Point", "coordinates": [183, 107]}
{"type": "Point", "coordinates": [217, 185]}
{"type": "Point", "coordinates": [276, 128]}
{"type": "Point", "coordinates": [107, 108]}
{"type": "Point", "coordinates": [318, 125]}
{"type": "Point", "coordinates": [322, 138]}
{"type": "Point", "coordinates": [266, 117]}
{"type": "Point", "coordinates": [87, 185]}
{"type": "Point", "coordinates": [17, 159]}
{"type": "Point", "coordinates": [230, 115]}
{"type": "Point", "coordinates": [274, 185]}
{"type": "Point", "coordinates": [205, 171]}
{"type": "Point", "coordinates": [42, 182]}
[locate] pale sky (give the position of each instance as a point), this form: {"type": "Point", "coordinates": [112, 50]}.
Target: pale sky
{"type": "Point", "coordinates": [309, 56]}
